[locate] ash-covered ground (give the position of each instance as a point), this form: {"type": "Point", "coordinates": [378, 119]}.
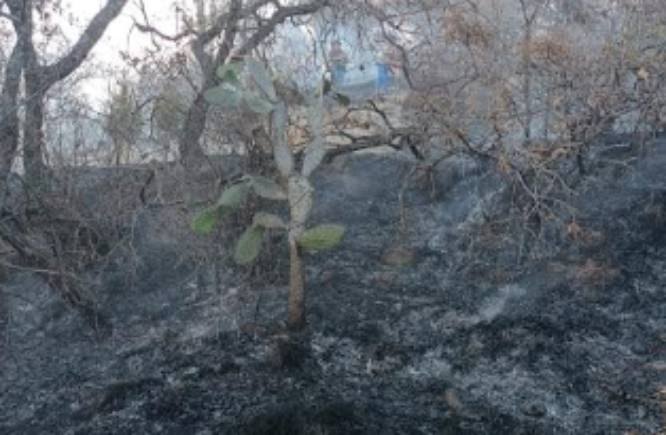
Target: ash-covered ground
{"type": "Point", "coordinates": [433, 317]}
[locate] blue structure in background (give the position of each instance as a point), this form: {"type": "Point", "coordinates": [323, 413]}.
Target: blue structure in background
{"type": "Point", "coordinates": [384, 77]}
{"type": "Point", "coordinates": [339, 61]}
{"type": "Point", "coordinates": [338, 73]}
{"type": "Point", "coordinates": [365, 75]}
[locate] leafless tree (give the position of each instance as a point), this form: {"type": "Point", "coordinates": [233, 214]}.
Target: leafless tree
{"type": "Point", "coordinates": [39, 78]}
{"type": "Point", "coordinates": [46, 259]}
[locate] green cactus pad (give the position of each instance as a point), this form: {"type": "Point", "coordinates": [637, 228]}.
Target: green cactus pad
{"type": "Point", "coordinates": [257, 104]}
{"type": "Point", "coordinates": [267, 188]}
{"type": "Point", "coordinates": [204, 223]}
{"type": "Point", "coordinates": [249, 245]}
{"type": "Point", "coordinates": [230, 72]}
{"type": "Point", "coordinates": [225, 96]}
{"type": "Point", "coordinates": [314, 155]}
{"type": "Point", "coordinates": [234, 196]}
{"type": "Point", "coordinates": [262, 78]}
{"type": "Point", "coordinates": [300, 201]}
{"type": "Point", "coordinates": [268, 221]}
{"type": "Point", "coordinates": [321, 237]}
{"type": "Point", "coordinates": [281, 151]}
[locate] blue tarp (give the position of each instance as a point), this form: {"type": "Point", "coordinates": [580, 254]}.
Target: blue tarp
{"type": "Point", "coordinates": [338, 74]}
{"type": "Point", "coordinates": [384, 77]}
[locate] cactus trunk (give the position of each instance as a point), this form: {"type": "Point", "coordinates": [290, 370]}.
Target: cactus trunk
{"type": "Point", "coordinates": [296, 314]}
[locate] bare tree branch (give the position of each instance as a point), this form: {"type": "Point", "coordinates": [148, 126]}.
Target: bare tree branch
{"type": "Point", "coordinates": [93, 32]}
{"type": "Point", "coordinates": [277, 18]}
{"type": "Point", "coordinates": [146, 27]}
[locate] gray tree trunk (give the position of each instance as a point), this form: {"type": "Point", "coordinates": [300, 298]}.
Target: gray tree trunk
{"type": "Point", "coordinates": [191, 152]}
{"type": "Point", "coordinates": [33, 135]}
{"type": "Point", "coordinates": [9, 121]}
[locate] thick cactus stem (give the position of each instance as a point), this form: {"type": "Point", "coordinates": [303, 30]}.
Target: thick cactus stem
{"type": "Point", "coordinates": [296, 304]}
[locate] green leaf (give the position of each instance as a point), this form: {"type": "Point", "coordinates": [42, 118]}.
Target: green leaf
{"type": "Point", "coordinates": [262, 78]}
{"type": "Point", "coordinates": [321, 237]}
{"type": "Point", "coordinates": [257, 104]}
{"type": "Point", "coordinates": [225, 95]}
{"type": "Point", "coordinates": [267, 188]}
{"type": "Point", "coordinates": [204, 223]}
{"type": "Point", "coordinates": [230, 72]}
{"type": "Point", "coordinates": [249, 245]}
{"type": "Point", "coordinates": [268, 221]}
{"type": "Point", "coordinates": [234, 195]}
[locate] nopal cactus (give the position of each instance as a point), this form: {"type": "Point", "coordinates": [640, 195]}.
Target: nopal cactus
{"type": "Point", "coordinates": [293, 185]}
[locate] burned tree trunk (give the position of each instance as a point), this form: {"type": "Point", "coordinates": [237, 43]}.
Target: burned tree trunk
{"type": "Point", "coordinates": [9, 122]}
{"type": "Point", "coordinates": [191, 152]}
{"type": "Point", "coordinates": [33, 135]}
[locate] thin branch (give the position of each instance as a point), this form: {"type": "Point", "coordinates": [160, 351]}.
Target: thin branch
{"type": "Point", "coordinates": [9, 16]}
{"type": "Point", "coordinates": [229, 33]}
{"type": "Point", "coordinates": [278, 18]}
